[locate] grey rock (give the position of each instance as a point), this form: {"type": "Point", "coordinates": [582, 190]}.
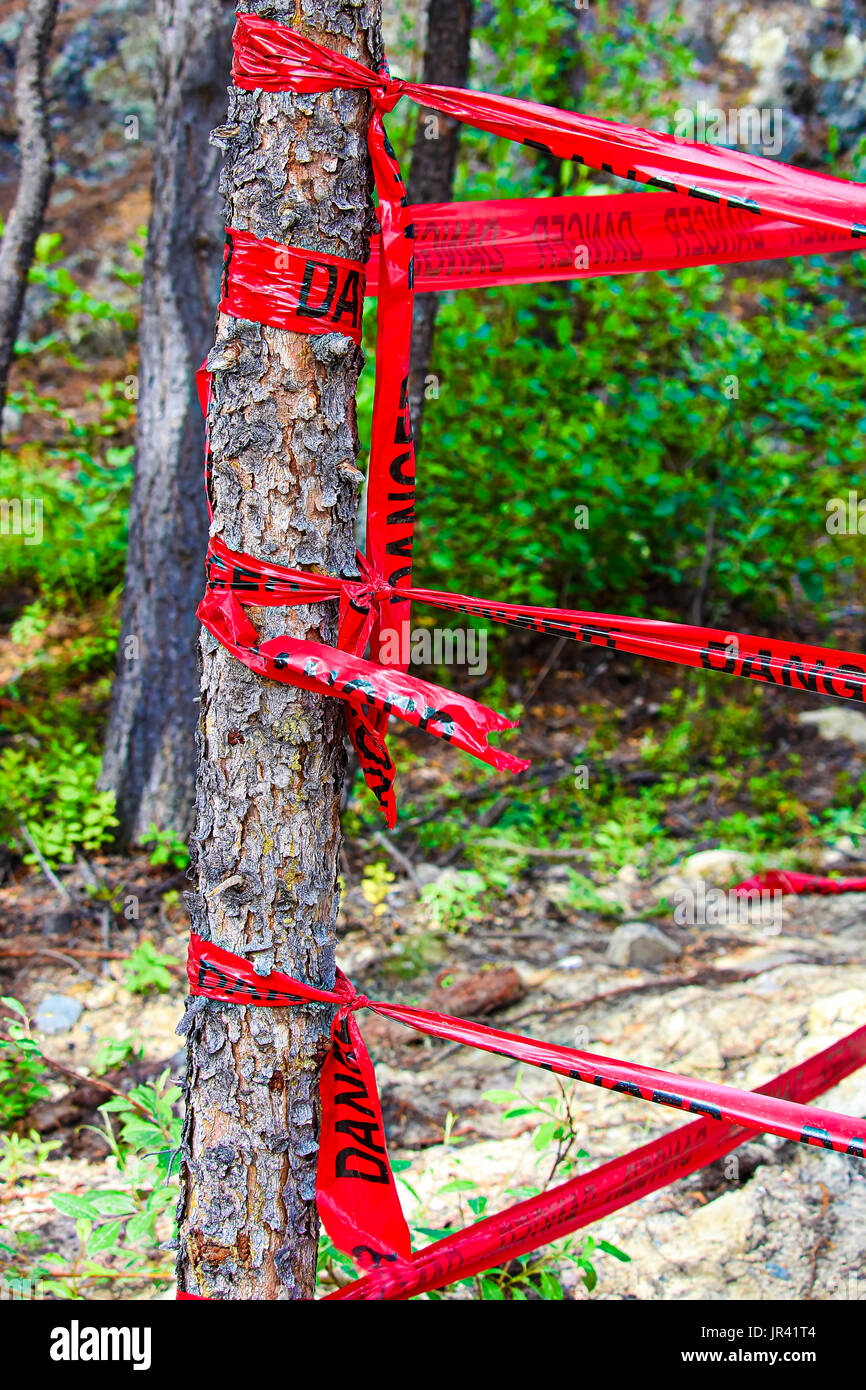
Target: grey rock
{"type": "Point", "coordinates": [640, 943]}
{"type": "Point", "coordinates": [570, 963]}
{"type": "Point", "coordinates": [427, 873]}
{"type": "Point", "coordinates": [833, 723]}
{"type": "Point", "coordinates": [57, 1013]}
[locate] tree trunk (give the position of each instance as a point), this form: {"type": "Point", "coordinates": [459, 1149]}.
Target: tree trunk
{"type": "Point", "coordinates": [34, 182]}
{"type": "Point", "coordinates": [150, 748]}
{"type": "Point", "coordinates": [284, 443]}
{"type": "Point", "coordinates": [434, 156]}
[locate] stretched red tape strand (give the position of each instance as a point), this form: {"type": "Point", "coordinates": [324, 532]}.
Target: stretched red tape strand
{"type": "Point", "coordinates": [520, 241]}
{"type": "Point", "coordinates": [273, 57]}
{"type": "Point", "coordinates": [511, 241]}
{"type": "Point", "coordinates": [355, 1190]}
{"type": "Point", "coordinates": [586, 1199]}
{"type": "Point", "coordinates": [776, 661]}
{"type": "Point", "coordinates": [785, 881]}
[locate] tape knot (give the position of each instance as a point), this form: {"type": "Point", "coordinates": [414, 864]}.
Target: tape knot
{"type": "Point", "coordinates": [386, 96]}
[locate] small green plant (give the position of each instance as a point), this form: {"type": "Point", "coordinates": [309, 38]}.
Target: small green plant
{"type": "Point", "coordinates": [123, 1224]}
{"type": "Point", "coordinates": [51, 790]}
{"type": "Point", "coordinates": [22, 1155]}
{"type": "Point", "coordinates": [453, 899]}
{"type": "Point", "coordinates": [148, 971]}
{"type": "Point", "coordinates": [169, 848]}
{"type": "Point", "coordinates": [113, 1052]}
{"type": "Point", "coordinates": [22, 1071]}
{"type": "Point", "coordinates": [376, 884]}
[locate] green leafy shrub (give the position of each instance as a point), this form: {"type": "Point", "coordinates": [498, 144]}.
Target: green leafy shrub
{"type": "Point", "coordinates": [52, 792]}
{"type": "Point", "coordinates": [22, 1072]}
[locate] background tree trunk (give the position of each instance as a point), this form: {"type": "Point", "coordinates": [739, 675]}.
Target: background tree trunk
{"type": "Point", "coordinates": [434, 157]}
{"type": "Point", "coordinates": [34, 180]}
{"type": "Point", "coordinates": [150, 747]}
{"type": "Point", "coordinates": [284, 443]}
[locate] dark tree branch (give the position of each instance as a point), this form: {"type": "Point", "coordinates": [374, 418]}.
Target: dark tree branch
{"type": "Point", "coordinates": [34, 183]}
{"type": "Point", "coordinates": [434, 158]}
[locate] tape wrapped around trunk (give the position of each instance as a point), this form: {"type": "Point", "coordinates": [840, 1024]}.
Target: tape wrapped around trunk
{"type": "Point", "coordinates": [717, 205]}
{"type": "Point", "coordinates": [355, 1188]}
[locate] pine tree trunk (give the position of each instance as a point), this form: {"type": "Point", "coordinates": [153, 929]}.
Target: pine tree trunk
{"type": "Point", "coordinates": [284, 444]}
{"type": "Point", "coordinates": [35, 177]}
{"type": "Point", "coordinates": [150, 755]}
{"type": "Point", "coordinates": [446, 62]}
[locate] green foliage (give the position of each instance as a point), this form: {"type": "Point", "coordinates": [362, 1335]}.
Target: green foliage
{"type": "Point", "coordinates": [453, 900]}
{"type": "Point", "coordinates": [119, 1230]}
{"type": "Point", "coordinates": [22, 1155]}
{"type": "Point", "coordinates": [84, 502]}
{"type": "Point", "coordinates": [22, 1071]}
{"type": "Point", "coordinates": [51, 790]}
{"type": "Point", "coordinates": [114, 1052]}
{"type": "Point", "coordinates": [169, 848]}
{"type": "Point", "coordinates": [148, 971]}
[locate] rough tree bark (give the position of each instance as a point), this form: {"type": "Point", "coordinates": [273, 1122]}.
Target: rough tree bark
{"type": "Point", "coordinates": [446, 61]}
{"type": "Point", "coordinates": [284, 443]}
{"type": "Point", "coordinates": [150, 753]}
{"type": "Point", "coordinates": [35, 179]}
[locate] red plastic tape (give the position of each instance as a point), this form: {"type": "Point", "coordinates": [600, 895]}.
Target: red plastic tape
{"type": "Point", "coordinates": [289, 288]}
{"type": "Point", "coordinates": [581, 1201]}
{"type": "Point", "coordinates": [781, 881]}
{"type": "Point", "coordinates": [302, 291]}
{"type": "Point", "coordinates": [519, 241]}
{"type": "Point", "coordinates": [272, 57]}
{"type": "Point", "coordinates": [355, 1187]}
{"type": "Point", "coordinates": [307, 292]}
{"type": "Point", "coordinates": [510, 241]}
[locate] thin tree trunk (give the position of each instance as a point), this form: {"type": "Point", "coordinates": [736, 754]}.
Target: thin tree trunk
{"type": "Point", "coordinates": [150, 753]}
{"type": "Point", "coordinates": [434, 157]}
{"type": "Point", "coordinates": [34, 183]}
{"type": "Point", "coordinates": [284, 443]}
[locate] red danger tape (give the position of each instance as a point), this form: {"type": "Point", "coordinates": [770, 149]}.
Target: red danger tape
{"type": "Point", "coordinates": [272, 57]}
{"type": "Point", "coordinates": [234, 580]}
{"type": "Point", "coordinates": [528, 239]}
{"type": "Point", "coordinates": [511, 241]}
{"type": "Point", "coordinates": [584, 1200]}
{"type": "Point", "coordinates": [781, 881]}
{"type": "Point", "coordinates": [356, 1191]}
{"type": "Point", "coordinates": [523, 240]}
{"type": "Point", "coordinates": [301, 291]}
{"type": "Point", "coordinates": [774, 208]}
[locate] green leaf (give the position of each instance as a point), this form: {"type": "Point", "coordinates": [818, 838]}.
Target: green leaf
{"type": "Point", "coordinates": [105, 1237]}
{"type": "Point", "coordinates": [612, 1250]}
{"type": "Point", "coordinates": [112, 1203]}
{"type": "Point", "coordinates": [75, 1206]}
